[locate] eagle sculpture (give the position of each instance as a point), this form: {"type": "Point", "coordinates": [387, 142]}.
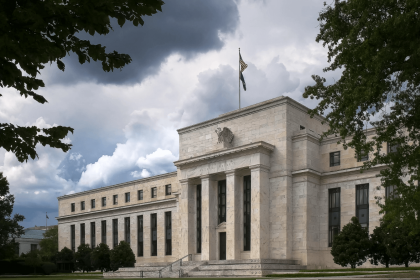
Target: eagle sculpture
{"type": "Point", "coordinates": [224, 135]}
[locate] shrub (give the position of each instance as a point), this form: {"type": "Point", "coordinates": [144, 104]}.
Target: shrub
{"type": "Point", "coordinates": [378, 252]}
{"type": "Point", "coordinates": [101, 257]}
{"type": "Point", "coordinates": [33, 259]}
{"type": "Point", "coordinates": [48, 267]}
{"type": "Point", "coordinates": [351, 245]}
{"type": "Point", "coordinates": [82, 257]}
{"type": "Point", "coordinates": [122, 256]}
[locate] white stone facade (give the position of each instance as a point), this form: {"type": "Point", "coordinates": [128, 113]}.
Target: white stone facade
{"type": "Point", "coordinates": [277, 144]}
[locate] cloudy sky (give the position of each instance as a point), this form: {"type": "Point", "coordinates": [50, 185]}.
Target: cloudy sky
{"type": "Point", "coordinates": [184, 70]}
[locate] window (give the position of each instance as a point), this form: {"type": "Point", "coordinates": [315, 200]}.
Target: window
{"type": "Point", "coordinates": [127, 197]}
{"type": "Point", "coordinates": [334, 212]}
{"type": "Point", "coordinates": [222, 201]}
{"type": "Point", "coordinates": [362, 156]}
{"type": "Point", "coordinates": [389, 192]}
{"type": "Point", "coordinates": [127, 229]}
{"type": "Point", "coordinates": [73, 207]}
{"type": "Point", "coordinates": [153, 229]}
{"type": "Point", "coordinates": [92, 235]}
{"type": "Point", "coordinates": [103, 201]}
{"type": "Point", "coordinates": [154, 192]}
{"type": "Point", "coordinates": [73, 237]}
{"type": "Point", "coordinates": [392, 148]}
{"type": "Point", "coordinates": [92, 203]}
{"type": "Point", "coordinates": [198, 204]}
{"type": "Point", "coordinates": [82, 233]}
{"type": "Point", "coordinates": [334, 158]}
{"type": "Point", "coordinates": [168, 190]}
{"type": "Point", "coordinates": [33, 247]}
{"type": "Point", "coordinates": [140, 236]}
{"type": "Point", "coordinates": [17, 245]}
{"type": "Point", "coordinates": [115, 232]}
{"type": "Point", "coordinates": [103, 232]}
{"type": "Point", "coordinates": [247, 213]}
{"type": "Point", "coordinates": [168, 233]}
{"type": "Point", "coordinates": [82, 205]}
{"type": "Point", "coordinates": [115, 199]}
{"type": "Point", "coordinates": [140, 194]}
{"type": "Point", "coordinates": [362, 204]}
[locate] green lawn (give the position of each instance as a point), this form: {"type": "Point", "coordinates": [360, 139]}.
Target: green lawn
{"type": "Point", "coordinates": [298, 275]}
{"type": "Point", "coordinates": [360, 269]}
{"type": "Point", "coordinates": [413, 274]}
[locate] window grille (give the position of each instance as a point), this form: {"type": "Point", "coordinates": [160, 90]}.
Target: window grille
{"type": "Point", "coordinates": [103, 232]}
{"type": "Point", "coordinates": [82, 205]}
{"type": "Point", "coordinates": [127, 197]}
{"type": "Point", "coordinates": [115, 232]}
{"type": "Point", "coordinates": [140, 236]}
{"type": "Point", "coordinates": [103, 201]}
{"type": "Point", "coordinates": [168, 233]}
{"type": "Point", "coordinates": [198, 204]}
{"type": "Point", "coordinates": [33, 247]}
{"type": "Point", "coordinates": [92, 234]}
{"type": "Point", "coordinates": [73, 207]}
{"type": "Point", "coordinates": [334, 213]}
{"type": "Point", "coordinates": [247, 213]}
{"type": "Point", "coordinates": [115, 199]}
{"type": "Point", "coordinates": [153, 229]}
{"type": "Point", "coordinates": [127, 229]}
{"type": "Point", "coordinates": [168, 190]}
{"type": "Point", "coordinates": [154, 192]}
{"type": "Point", "coordinates": [362, 156]}
{"type": "Point", "coordinates": [82, 233]}
{"type": "Point", "coordinates": [222, 201]}
{"type": "Point", "coordinates": [73, 237]}
{"type": "Point", "coordinates": [92, 203]}
{"type": "Point", "coordinates": [140, 195]}
{"type": "Point", "coordinates": [392, 148]}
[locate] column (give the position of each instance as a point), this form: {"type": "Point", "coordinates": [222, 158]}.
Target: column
{"type": "Point", "coordinates": [260, 203]}
{"type": "Point", "coordinates": [186, 211]}
{"type": "Point", "coordinates": [209, 217]}
{"type": "Point", "coordinates": [233, 212]}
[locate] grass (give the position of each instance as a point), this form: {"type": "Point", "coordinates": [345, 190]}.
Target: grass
{"type": "Point", "coordinates": [400, 275]}
{"type": "Point", "coordinates": [298, 275]}
{"type": "Point", "coordinates": [360, 269]}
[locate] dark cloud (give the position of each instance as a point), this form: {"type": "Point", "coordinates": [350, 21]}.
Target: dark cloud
{"type": "Point", "coordinates": [185, 27]}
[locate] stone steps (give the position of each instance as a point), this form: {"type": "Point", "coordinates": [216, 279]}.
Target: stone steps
{"type": "Point", "coordinates": [261, 266]}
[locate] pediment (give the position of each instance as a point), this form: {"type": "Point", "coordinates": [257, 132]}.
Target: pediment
{"type": "Point", "coordinates": [221, 226]}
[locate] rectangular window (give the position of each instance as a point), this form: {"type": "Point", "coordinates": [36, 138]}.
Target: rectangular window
{"type": "Point", "coordinates": [103, 232]}
{"type": "Point", "coordinates": [73, 237]}
{"type": "Point", "coordinates": [92, 203]}
{"type": "Point", "coordinates": [82, 233]}
{"type": "Point", "coordinates": [140, 236]}
{"type": "Point", "coordinates": [247, 213]}
{"type": "Point", "coordinates": [140, 195]}
{"type": "Point", "coordinates": [17, 249]}
{"type": "Point", "coordinates": [33, 247]}
{"type": "Point", "coordinates": [114, 233]}
{"type": "Point", "coordinates": [362, 156]}
{"type": "Point", "coordinates": [392, 148]}
{"type": "Point", "coordinates": [168, 233]}
{"type": "Point", "coordinates": [92, 235]}
{"type": "Point", "coordinates": [222, 201]}
{"type": "Point", "coordinates": [334, 212]}
{"type": "Point", "coordinates": [198, 203]}
{"type": "Point", "coordinates": [73, 207]}
{"type": "Point", "coordinates": [115, 199]}
{"type": "Point", "coordinates": [334, 158]}
{"type": "Point", "coordinates": [389, 192]}
{"type": "Point", "coordinates": [154, 192]}
{"type": "Point", "coordinates": [362, 204]}
{"type": "Point", "coordinates": [103, 201]}
{"type": "Point", "coordinates": [82, 205]}
{"type": "Point", "coordinates": [127, 197]}
{"type": "Point", "coordinates": [127, 229]}
{"type": "Point", "coordinates": [153, 231]}
{"type": "Point", "coordinates": [168, 190]}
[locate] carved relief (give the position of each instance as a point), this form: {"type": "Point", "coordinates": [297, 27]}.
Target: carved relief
{"type": "Point", "coordinates": [225, 135]}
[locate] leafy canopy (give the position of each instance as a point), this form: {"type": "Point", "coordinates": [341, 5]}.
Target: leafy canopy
{"type": "Point", "coordinates": [37, 32]}
{"type": "Point", "coordinates": [378, 252]}
{"type": "Point", "coordinates": [101, 257]}
{"type": "Point", "coordinates": [122, 256]}
{"type": "Point", "coordinates": [49, 245]}
{"type": "Point", "coordinates": [351, 245]}
{"type": "Point", "coordinates": [9, 226]}
{"type": "Point", "coordinates": [376, 44]}
{"type": "Point", "coordinates": [82, 257]}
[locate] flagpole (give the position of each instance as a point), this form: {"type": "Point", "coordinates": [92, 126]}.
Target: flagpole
{"type": "Point", "coordinates": [46, 215]}
{"type": "Point", "coordinates": [239, 78]}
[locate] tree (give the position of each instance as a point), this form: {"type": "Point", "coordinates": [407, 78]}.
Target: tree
{"type": "Point", "coordinates": [9, 227]}
{"type": "Point", "coordinates": [65, 258]}
{"type": "Point", "coordinates": [402, 246]}
{"type": "Point", "coordinates": [351, 245]}
{"type": "Point", "coordinates": [82, 258]}
{"type": "Point", "coordinates": [375, 43]}
{"type": "Point", "coordinates": [41, 32]}
{"type": "Point", "coordinates": [378, 251]}
{"type": "Point", "coordinates": [49, 245]}
{"type": "Point", "coordinates": [101, 257]}
{"type": "Point", "coordinates": [122, 256]}
{"type": "Point", "coordinates": [33, 258]}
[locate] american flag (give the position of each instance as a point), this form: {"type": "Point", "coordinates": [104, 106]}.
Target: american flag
{"type": "Point", "coordinates": [243, 64]}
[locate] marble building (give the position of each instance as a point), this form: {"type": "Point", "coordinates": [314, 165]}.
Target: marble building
{"type": "Point", "coordinates": [252, 184]}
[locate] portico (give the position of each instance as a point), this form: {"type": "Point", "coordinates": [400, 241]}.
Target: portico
{"type": "Point", "coordinates": [226, 170]}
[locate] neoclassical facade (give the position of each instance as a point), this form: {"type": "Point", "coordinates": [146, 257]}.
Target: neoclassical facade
{"type": "Point", "coordinates": [252, 184]}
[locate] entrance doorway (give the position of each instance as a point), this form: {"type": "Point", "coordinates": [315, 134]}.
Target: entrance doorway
{"type": "Point", "coordinates": [222, 245]}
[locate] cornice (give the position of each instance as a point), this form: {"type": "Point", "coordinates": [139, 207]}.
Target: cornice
{"type": "Point", "coordinates": [262, 106]}
{"type": "Point", "coordinates": [127, 207]}
{"type": "Point", "coordinates": [139, 181]}
{"type": "Point", "coordinates": [338, 172]}
{"type": "Point", "coordinates": [252, 146]}
{"type": "Point", "coordinates": [306, 136]}
{"type": "Point", "coordinates": [335, 139]}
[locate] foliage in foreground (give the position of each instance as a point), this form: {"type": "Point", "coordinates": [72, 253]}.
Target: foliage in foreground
{"type": "Point", "coordinates": [375, 44]}
{"type": "Point", "coordinates": [351, 245]}
{"type": "Point", "coordinates": [49, 31]}
{"type": "Point", "coordinates": [49, 245]}
{"type": "Point", "coordinates": [122, 256]}
{"type": "Point", "coordinates": [83, 258]}
{"type": "Point", "coordinates": [9, 226]}
{"type": "Point", "coordinates": [378, 252]}
{"type": "Point", "coordinates": [101, 257]}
